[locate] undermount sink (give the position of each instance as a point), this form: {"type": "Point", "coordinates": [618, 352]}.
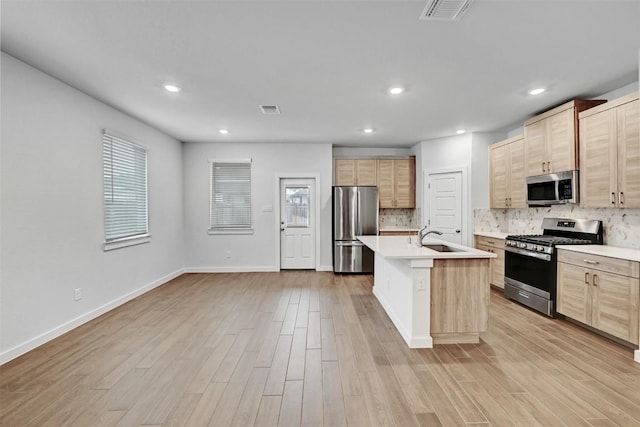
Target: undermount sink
{"type": "Point", "coordinates": [442, 248]}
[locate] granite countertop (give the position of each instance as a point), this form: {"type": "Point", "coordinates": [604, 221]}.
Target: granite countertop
{"type": "Point", "coordinates": [605, 250]}
{"type": "Point", "coordinates": [396, 228]}
{"type": "Point", "coordinates": [398, 247]}
{"type": "Point", "coordinates": [493, 234]}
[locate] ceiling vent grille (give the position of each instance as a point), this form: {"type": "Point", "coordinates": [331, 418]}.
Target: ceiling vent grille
{"type": "Point", "coordinates": [270, 109]}
{"type": "Point", "coordinates": [445, 10]}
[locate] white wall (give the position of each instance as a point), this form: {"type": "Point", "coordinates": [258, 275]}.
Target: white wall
{"type": "Point", "coordinates": [52, 210]}
{"type": "Point", "coordinates": [254, 252]}
{"type": "Point", "coordinates": [468, 151]}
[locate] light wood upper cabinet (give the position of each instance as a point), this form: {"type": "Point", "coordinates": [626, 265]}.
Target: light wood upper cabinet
{"type": "Point", "coordinates": [601, 292]}
{"type": "Point", "coordinates": [610, 154]}
{"type": "Point", "coordinates": [355, 171]}
{"type": "Point", "coordinates": [507, 181]}
{"type": "Point", "coordinates": [551, 138]}
{"type": "Point", "coordinates": [397, 183]}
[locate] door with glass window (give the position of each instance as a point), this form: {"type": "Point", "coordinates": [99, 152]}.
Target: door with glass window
{"type": "Point", "coordinates": [297, 224]}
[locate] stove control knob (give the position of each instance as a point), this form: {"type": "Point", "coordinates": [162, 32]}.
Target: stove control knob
{"type": "Point", "coordinates": [540, 248]}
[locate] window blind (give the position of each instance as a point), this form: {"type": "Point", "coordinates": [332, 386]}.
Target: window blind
{"type": "Point", "coordinates": [230, 196]}
{"type": "Point", "coordinates": [125, 188]}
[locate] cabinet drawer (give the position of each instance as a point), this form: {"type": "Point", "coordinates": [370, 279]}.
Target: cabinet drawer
{"type": "Point", "coordinates": [596, 262]}
{"type": "Point", "coordinates": [489, 242]}
{"type": "Point", "coordinates": [398, 233]}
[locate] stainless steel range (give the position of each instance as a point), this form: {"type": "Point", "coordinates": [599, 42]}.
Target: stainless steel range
{"type": "Point", "coordinates": [530, 260]}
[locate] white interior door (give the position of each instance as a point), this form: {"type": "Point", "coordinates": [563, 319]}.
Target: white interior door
{"type": "Point", "coordinates": [445, 205]}
{"type": "Point", "coordinates": [297, 224]}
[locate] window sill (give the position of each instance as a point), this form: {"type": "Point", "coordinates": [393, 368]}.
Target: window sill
{"type": "Point", "coordinates": [230, 231]}
{"type": "Point", "coordinates": [126, 242]}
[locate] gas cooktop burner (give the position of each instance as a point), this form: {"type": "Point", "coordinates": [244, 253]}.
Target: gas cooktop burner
{"type": "Point", "coordinates": [541, 239]}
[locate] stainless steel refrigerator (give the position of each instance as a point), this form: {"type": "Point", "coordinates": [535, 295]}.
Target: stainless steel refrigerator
{"type": "Point", "coordinates": [355, 213]}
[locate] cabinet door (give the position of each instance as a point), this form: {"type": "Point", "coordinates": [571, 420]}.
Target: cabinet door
{"type": "Point", "coordinates": [404, 183]}
{"type": "Point", "coordinates": [517, 181]}
{"type": "Point", "coordinates": [345, 172]}
{"type": "Point", "coordinates": [499, 175]}
{"type": "Point", "coordinates": [365, 171]}
{"type": "Point", "coordinates": [497, 268]}
{"type": "Point", "coordinates": [561, 146]}
{"type": "Point", "coordinates": [535, 141]}
{"type": "Point", "coordinates": [385, 183]}
{"type": "Point", "coordinates": [574, 292]}
{"type": "Point", "coordinates": [598, 159]}
{"type": "Point", "coordinates": [615, 305]}
{"type": "Point", "coordinates": [628, 118]}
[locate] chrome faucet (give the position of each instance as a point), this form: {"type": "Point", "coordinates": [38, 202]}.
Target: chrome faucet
{"type": "Point", "coordinates": [424, 233]}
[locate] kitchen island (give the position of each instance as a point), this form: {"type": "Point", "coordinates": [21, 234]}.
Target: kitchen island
{"type": "Point", "coordinates": [437, 295]}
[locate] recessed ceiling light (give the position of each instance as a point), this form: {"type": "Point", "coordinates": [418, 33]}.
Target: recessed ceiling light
{"type": "Point", "coordinates": [172, 88]}
{"type": "Point", "coordinates": [537, 91]}
{"type": "Point", "coordinates": [367, 130]}
{"type": "Point", "coordinates": [396, 90]}
{"type": "Point", "coordinates": [460, 131]}
{"type": "Point", "coordinates": [223, 131]}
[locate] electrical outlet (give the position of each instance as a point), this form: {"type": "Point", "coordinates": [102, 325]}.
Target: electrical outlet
{"type": "Point", "coordinates": [78, 294]}
{"type": "Point", "coordinates": [421, 286]}
{"type": "Point", "coordinates": [228, 255]}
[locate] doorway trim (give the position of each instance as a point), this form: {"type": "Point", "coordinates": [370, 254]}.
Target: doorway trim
{"type": "Point", "coordinates": [466, 201]}
{"type": "Point", "coordinates": [276, 204]}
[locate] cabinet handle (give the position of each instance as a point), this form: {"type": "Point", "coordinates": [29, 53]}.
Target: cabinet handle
{"type": "Point", "coordinates": [506, 201]}
{"type": "Point", "coordinates": [586, 278]}
{"type": "Point", "coordinates": [510, 204]}
{"type": "Point", "coordinates": [595, 280]}
{"type": "Point", "coordinates": [548, 166]}
{"type": "Point", "coordinates": [588, 261]}
{"type": "Point", "coordinates": [543, 167]}
{"type": "Point", "coordinates": [613, 198]}
{"type": "Point", "coordinates": [621, 198]}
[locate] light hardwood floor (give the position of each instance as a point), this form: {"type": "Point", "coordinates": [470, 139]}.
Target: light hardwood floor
{"type": "Point", "coordinates": [307, 348]}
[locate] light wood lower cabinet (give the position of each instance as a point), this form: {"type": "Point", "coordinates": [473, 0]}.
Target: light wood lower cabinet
{"type": "Point", "coordinates": [496, 265]}
{"type": "Point", "coordinates": [459, 300]}
{"type": "Point", "coordinates": [600, 292]}
{"type": "Point", "coordinates": [399, 233]}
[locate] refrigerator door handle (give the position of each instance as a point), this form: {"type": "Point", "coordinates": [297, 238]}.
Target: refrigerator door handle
{"type": "Point", "coordinates": [349, 244]}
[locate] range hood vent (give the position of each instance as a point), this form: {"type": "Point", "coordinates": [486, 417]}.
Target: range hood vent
{"type": "Point", "coordinates": [270, 109]}
{"type": "Point", "coordinates": [445, 10]}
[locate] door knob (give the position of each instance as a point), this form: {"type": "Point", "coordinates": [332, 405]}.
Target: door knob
{"type": "Point", "coordinates": [457, 231]}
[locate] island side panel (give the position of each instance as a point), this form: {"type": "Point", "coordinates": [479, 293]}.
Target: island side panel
{"type": "Point", "coordinates": [402, 288]}
{"type": "Point", "coordinates": [459, 300]}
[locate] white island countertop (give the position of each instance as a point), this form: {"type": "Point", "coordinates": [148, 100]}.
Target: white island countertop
{"type": "Point", "coordinates": [398, 247]}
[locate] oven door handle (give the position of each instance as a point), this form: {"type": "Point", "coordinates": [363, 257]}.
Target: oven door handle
{"type": "Point", "coordinates": [544, 257]}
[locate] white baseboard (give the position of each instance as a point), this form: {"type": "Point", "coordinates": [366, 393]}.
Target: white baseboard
{"type": "Point", "coordinates": [325, 268]}
{"type": "Point", "coordinates": [238, 269]}
{"type": "Point", "coordinates": [30, 344]}
{"type": "Point", "coordinates": [636, 356]}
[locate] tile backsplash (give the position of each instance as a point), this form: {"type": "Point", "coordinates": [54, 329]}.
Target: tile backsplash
{"type": "Point", "coordinates": [621, 226]}
{"type": "Point", "coordinates": [403, 218]}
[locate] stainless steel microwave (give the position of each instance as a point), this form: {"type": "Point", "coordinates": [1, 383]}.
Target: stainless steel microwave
{"type": "Point", "coordinates": [553, 189]}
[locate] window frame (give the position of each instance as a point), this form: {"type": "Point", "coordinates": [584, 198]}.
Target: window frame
{"type": "Point", "coordinates": [142, 235]}
{"type": "Point", "coordinates": [233, 228]}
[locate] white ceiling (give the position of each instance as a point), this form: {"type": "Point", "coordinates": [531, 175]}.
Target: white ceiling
{"type": "Point", "coordinates": [327, 64]}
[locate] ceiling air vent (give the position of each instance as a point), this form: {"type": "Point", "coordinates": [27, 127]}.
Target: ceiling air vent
{"type": "Point", "coordinates": [270, 109]}
{"type": "Point", "coordinates": [445, 10]}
